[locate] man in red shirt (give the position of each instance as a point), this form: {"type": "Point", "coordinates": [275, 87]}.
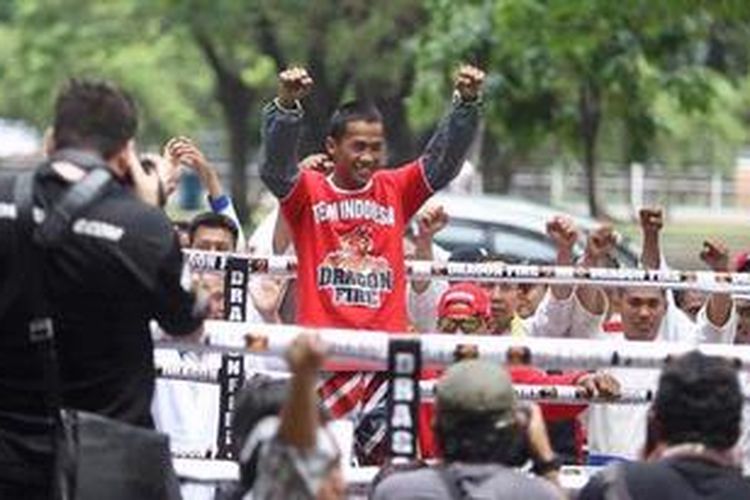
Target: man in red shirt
{"type": "Point", "coordinates": [348, 227]}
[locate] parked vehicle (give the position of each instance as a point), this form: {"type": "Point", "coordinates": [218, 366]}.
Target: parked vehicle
{"type": "Point", "coordinates": [512, 227]}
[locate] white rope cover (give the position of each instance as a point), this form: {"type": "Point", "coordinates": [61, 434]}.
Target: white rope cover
{"type": "Point", "coordinates": [562, 394]}
{"type": "Point", "coordinates": [369, 349]}
{"type": "Point", "coordinates": [281, 266]}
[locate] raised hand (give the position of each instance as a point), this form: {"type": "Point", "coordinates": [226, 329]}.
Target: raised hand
{"type": "Point", "coordinates": [267, 294]}
{"type": "Point", "coordinates": [183, 151]}
{"type": "Point", "coordinates": [469, 82]}
{"type": "Point", "coordinates": [601, 242]}
{"type": "Point", "coordinates": [294, 84]}
{"type": "Point", "coordinates": [430, 221]}
{"type": "Point", "coordinates": [651, 219]}
{"type": "Point", "coordinates": [306, 354]}
{"type": "Point", "coordinates": [600, 384]}
{"type": "Point", "coordinates": [320, 162]}
{"type": "Point", "coordinates": [563, 232]}
{"type": "Point", "coordinates": [715, 254]}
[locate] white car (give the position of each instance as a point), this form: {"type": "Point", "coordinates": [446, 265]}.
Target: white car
{"type": "Point", "coordinates": [511, 227]}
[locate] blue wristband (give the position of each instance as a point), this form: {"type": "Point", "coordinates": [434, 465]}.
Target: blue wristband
{"type": "Point", "coordinates": [219, 203]}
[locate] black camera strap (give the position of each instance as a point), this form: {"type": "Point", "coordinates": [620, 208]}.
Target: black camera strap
{"type": "Point", "coordinates": [41, 331]}
{"type": "Point", "coordinates": [31, 247]}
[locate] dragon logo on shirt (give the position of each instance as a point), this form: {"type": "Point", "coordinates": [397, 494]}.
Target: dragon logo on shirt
{"type": "Point", "coordinates": [354, 275]}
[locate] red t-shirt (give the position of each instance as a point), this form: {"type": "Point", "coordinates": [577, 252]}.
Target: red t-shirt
{"type": "Point", "coordinates": [349, 247]}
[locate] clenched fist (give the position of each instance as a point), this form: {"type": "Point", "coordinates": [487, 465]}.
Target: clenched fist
{"type": "Point", "coordinates": [652, 219]}
{"type": "Point", "coordinates": [716, 255]}
{"type": "Point", "coordinates": [601, 242]}
{"type": "Point", "coordinates": [563, 232]}
{"type": "Point", "coordinates": [469, 82]}
{"type": "Point", "coordinates": [294, 84]}
{"type": "Point", "coordinates": [430, 221]}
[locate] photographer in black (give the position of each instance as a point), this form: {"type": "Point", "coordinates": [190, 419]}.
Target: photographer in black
{"type": "Point", "coordinates": [116, 266]}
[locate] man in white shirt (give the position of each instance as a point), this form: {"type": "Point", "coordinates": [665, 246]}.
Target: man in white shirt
{"type": "Point", "coordinates": [648, 314]}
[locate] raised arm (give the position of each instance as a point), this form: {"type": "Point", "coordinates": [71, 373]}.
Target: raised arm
{"type": "Point", "coordinates": [652, 220]}
{"type": "Point", "coordinates": [563, 232]}
{"type": "Point", "coordinates": [600, 243]}
{"type": "Point", "coordinates": [282, 124]}
{"type": "Point", "coordinates": [429, 222]}
{"type": "Point", "coordinates": [719, 306]}
{"type": "Point", "coordinates": [182, 150]}
{"type": "Point", "coordinates": [445, 153]}
{"type": "Point", "coordinates": [300, 417]}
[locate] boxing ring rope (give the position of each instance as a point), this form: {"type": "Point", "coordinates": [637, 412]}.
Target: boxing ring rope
{"type": "Point", "coordinates": [368, 349]}
{"type": "Point", "coordinates": [286, 267]}
{"type": "Point", "coordinates": [557, 394]}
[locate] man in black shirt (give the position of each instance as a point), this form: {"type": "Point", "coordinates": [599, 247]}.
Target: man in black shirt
{"type": "Point", "coordinates": [693, 427]}
{"type": "Point", "coordinates": [117, 267]}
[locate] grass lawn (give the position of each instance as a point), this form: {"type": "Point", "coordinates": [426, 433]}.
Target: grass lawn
{"type": "Point", "coordinates": [683, 241]}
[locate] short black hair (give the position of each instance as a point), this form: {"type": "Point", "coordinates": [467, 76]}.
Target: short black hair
{"type": "Point", "coordinates": [699, 400]}
{"type": "Point", "coordinates": [214, 220]}
{"type": "Point", "coordinates": [95, 115]}
{"type": "Point", "coordinates": [352, 111]}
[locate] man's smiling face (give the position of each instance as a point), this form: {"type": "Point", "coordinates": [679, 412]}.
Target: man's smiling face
{"type": "Point", "coordinates": [357, 154]}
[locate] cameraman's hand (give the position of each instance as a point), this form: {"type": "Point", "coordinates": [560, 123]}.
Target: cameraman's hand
{"type": "Point", "coordinates": [145, 184]}
{"type": "Point", "coordinates": [169, 173]}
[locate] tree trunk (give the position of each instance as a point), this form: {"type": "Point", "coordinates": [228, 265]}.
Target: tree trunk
{"type": "Point", "coordinates": [236, 100]}
{"type": "Point", "coordinates": [398, 134]}
{"type": "Point", "coordinates": [236, 103]}
{"type": "Point", "coordinates": [589, 111]}
{"type": "Point", "coordinates": [319, 107]}
{"type": "Point", "coordinates": [497, 164]}
{"type": "Point", "coordinates": [236, 119]}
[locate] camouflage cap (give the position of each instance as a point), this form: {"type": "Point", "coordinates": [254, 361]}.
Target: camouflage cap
{"type": "Point", "coordinates": [476, 386]}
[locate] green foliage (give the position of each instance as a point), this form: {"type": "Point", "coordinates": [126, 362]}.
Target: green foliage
{"type": "Point", "coordinates": [47, 43]}
{"type": "Point", "coordinates": [632, 80]}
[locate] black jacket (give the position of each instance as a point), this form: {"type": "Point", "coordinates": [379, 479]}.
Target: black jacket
{"type": "Point", "coordinates": [119, 267]}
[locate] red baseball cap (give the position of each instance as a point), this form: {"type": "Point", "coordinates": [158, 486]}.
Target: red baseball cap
{"type": "Point", "coordinates": [464, 299]}
{"type": "Point", "coordinates": [742, 262]}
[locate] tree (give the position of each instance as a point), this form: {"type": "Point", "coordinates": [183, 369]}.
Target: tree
{"type": "Point", "coordinates": [44, 44]}
{"type": "Point", "coordinates": [565, 69]}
